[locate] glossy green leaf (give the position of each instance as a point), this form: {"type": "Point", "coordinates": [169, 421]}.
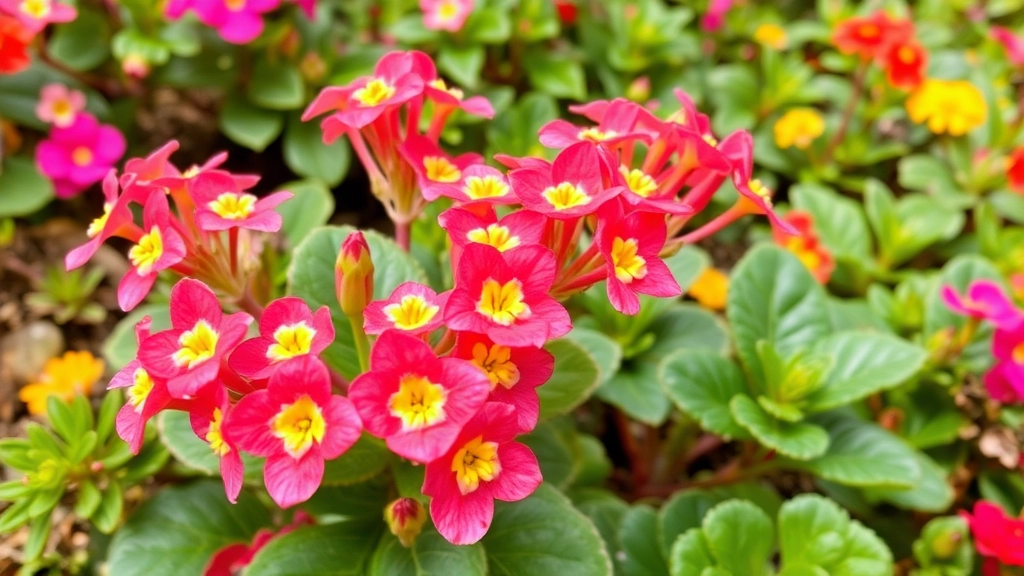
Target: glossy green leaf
{"type": "Point", "coordinates": [366, 458]}
{"type": "Point", "coordinates": [83, 43]}
{"type": "Point", "coordinates": [838, 220]}
{"type": "Point", "coordinates": [249, 126]}
{"type": "Point", "coordinates": [556, 75]}
{"type": "Point", "coordinates": [430, 555]}
{"type": "Point", "coordinates": [462, 64]}
{"type": "Point", "coordinates": [339, 549]}
{"type": "Point", "coordinates": [311, 208]}
{"type": "Point", "coordinates": [931, 493]}
{"type": "Point", "coordinates": [575, 377]}
{"type": "Point", "coordinates": [863, 364]}
{"type": "Point", "coordinates": [121, 346]}
{"type": "Point", "coordinates": [606, 352]}
{"type": "Point", "coordinates": [740, 537]}
{"type": "Point", "coordinates": [638, 535]}
{"type": "Point", "coordinates": [814, 531]}
{"type": "Point", "coordinates": [799, 440]}
{"type": "Point", "coordinates": [23, 190]}
{"type": "Point", "coordinates": [702, 383]}
{"type": "Point", "coordinates": [276, 85]}
{"type": "Point", "coordinates": [557, 456]}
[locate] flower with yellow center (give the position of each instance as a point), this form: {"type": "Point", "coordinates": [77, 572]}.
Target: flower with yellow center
{"type": "Point", "coordinates": [565, 196]}
{"type": "Point", "coordinates": [439, 169]}
{"type": "Point", "coordinates": [479, 188]}
{"type": "Point", "coordinates": [418, 403]}
{"type": "Point", "coordinates": [448, 10]}
{"type": "Point", "coordinates": [63, 112]}
{"type": "Point", "coordinates": [291, 340]}
{"type": "Point", "coordinates": [771, 35]}
{"type": "Point", "coordinates": [639, 183]}
{"type": "Point", "coordinates": [197, 345]}
{"type": "Point", "coordinates": [503, 303]}
{"type": "Point", "coordinates": [81, 156]}
{"type": "Point", "coordinates": [952, 107]}
{"type": "Point", "coordinates": [142, 385]}
{"type": "Point", "coordinates": [235, 5]}
{"type": "Point", "coordinates": [629, 265]}
{"type": "Point", "coordinates": [762, 191]}
{"type": "Point", "coordinates": [411, 312]}
{"type": "Point", "coordinates": [374, 92]}
{"type": "Point", "coordinates": [494, 235]}
{"type": "Point", "coordinates": [233, 206]}
{"type": "Point", "coordinates": [96, 226]}
{"type": "Point", "coordinates": [440, 85]}
{"type": "Point", "coordinates": [37, 9]}
{"type": "Point", "coordinates": [710, 140]}
{"type": "Point", "coordinates": [298, 425]}
{"type": "Point", "coordinates": [476, 461]}
{"type": "Point", "coordinates": [595, 135]}
{"type": "Point", "coordinates": [710, 289]}
{"type": "Point", "coordinates": [145, 254]}
{"type": "Point", "coordinates": [73, 373]}
{"type": "Point", "coordinates": [214, 436]}
{"type": "Point", "coordinates": [496, 362]}
{"type": "Point", "coordinates": [798, 127]}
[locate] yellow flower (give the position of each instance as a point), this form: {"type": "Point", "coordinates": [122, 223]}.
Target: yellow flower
{"type": "Point", "coordinates": [798, 127]}
{"type": "Point", "coordinates": [772, 36]}
{"type": "Point", "coordinates": [947, 106]}
{"type": "Point", "coordinates": [711, 289]}
{"type": "Point", "coordinates": [74, 373]}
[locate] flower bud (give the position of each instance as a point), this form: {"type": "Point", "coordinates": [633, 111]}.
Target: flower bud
{"type": "Point", "coordinates": [353, 275]}
{"type": "Point", "coordinates": [639, 90]}
{"type": "Point", "coordinates": [405, 518]}
{"type": "Point", "coordinates": [946, 544]}
{"type": "Point", "coordinates": [135, 65]}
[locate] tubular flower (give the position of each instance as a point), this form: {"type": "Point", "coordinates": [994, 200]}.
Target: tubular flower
{"type": "Point", "coordinates": [14, 41]}
{"type": "Point", "coordinates": [947, 106]}
{"type": "Point", "coordinates": [755, 197]}
{"type": "Point", "coordinates": [189, 355]}
{"type": "Point", "coordinates": [221, 205]}
{"type": "Point", "coordinates": [414, 400]}
{"type": "Point", "coordinates": [59, 106]}
{"type": "Point", "coordinates": [447, 98]}
{"type": "Point", "coordinates": [570, 188]}
{"type": "Point", "coordinates": [79, 155]}
{"type": "Point", "coordinates": [520, 228]}
{"type": "Point", "coordinates": [64, 377]}
{"type": "Point", "coordinates": [288, 330]}
{"type": "Point", "coordinates": [505, 296]}
{"type": "Point", "coordinates": [236, 21]}
{"type": "Point", "coordinates": [207, 414]}
{"type": "Point", "coordinates": [447, 15]}
{"type": "Point", "coordinates": [798, 127]}
{"type": "Point", "coordinates": [296, 424]}
{"type": "Point", "coordinates": [905, 64]}
{"type": "Point", "coordinates": [159, 248]}
{"type": "Point", "coordinates": [630, 245]}
{"type": "Point", "coordinates": [438, 174]}
{"type": "Point", "coordinates": [515, 373]}
{"type": "Point", "coordinates": [996, 536]}
{"type": "Point", "coordinates": [617, 125]}
{"type": "Point", "coordinates": [412, 308]}
{"type": "Point", "coordinates": [484, 464]}
{"type": "Point", "coordinates": [984, 299]}
{"type": "Point", "coordinates": [710, 289]}
{"type": "Point", "coordinates": [146, 395]}
{"type": "Point", "coordinates": [806, 246]}
{"type": "Point", "coordinates": [116, 219]}
{"type": "Point", "coordinates": [871, 36]}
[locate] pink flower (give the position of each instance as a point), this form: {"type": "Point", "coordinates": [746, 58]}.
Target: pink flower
{"type": "Point", "coordinates": [483, 465]}
{"type": "Point", "coordinates": [35, 15]}
{"type": "Point", "coordinates": [630, 246]}
{"type": "Point", "coordinates": [229, 560]}
{"type": "Point", "coordinates": [572, 187]}
{"type": "Point", "coordinates": [515, 373]}
{"type": "Point", "coordinates": [715, 16]}
{"type": "Point", "coordinates": [159, 248]}
{"type": "Point", "coordinates": [308, 7]}
{"type": "Point", "coordinates": [996, 535]}
{"type": "Point", "coordinates": [59, 106]}
{"type": "Point", "coordinates": [1004, 383]}
{"type": "Point", "coordinates": [189, 355]}
{"type": "Point", "coordinates": [207, 413]}
{"type": "Point", "coordinates": [116, 219]}
{"type": "Point", "coordinates": [438, 174]}
{"type": "Point", "coordinates": [237, 21]}
{"type": "Point", "coordinates": [1008, 344]}
{"type": "Point", "coordinates": [412, 308]}
{"type": "Point", "coordinates": [519, 228]}
{"type": "Point", "coordinates": [146, 395]}
{"type": "Point", "coordinates": [79, 155]}
{"type": "Point", "coordinates": [505, 296]}
{"type": "Point", "coordinates": [414, 400]}
{"type": "Point", "coordinates": [755, 197]}
{"type": "Point", "coordinates": [615, 127]}
{"type": "Point", "coordinates": [288, 330]}
{"type": "Point", "coordinates": [448, 15]}
{"type": "Point", "coordinates": [296, 424]}
{"type": "Point", "coordinates": [447, 98]}
{"type": "Point", "coordinates": [1013, 44]}
{"type": "Point", "coordinates": [984, 299]}
{"type": "Point", "coordinates": [221, 204]}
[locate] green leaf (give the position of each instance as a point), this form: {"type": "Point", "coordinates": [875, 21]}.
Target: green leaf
{"type": "Point", "coordinates": [132, 42]}
{"type": "Point", "coordinates": [338, 549]}
{"type": "Point", "coordinates": [814, 531]}
{"type": "Point", "coordinates": [926, 173]}
{"type": "Point", "coordinates": [409, 29]}
{"type": "Point", "coordinates": [740, 536]}
{"type": "Point", "coordinates": [931, 493]}
{"type": "Point", "coordinates": [430, 555]}
{"type": "Point", "coordinates": [121, 346]}
{"type": "Point", "coordinates": [945, 548]}
{"type": "Point", "coordinates": [38, 534]}
{"type": "Point", "coordinates": [642, 555]}
{"type": "Point", "coordinates": [276, 85]}
{"type": "Point", "coordinates": [799, 440]}
{"type": "Point", "coordinates": [702, 383]}
{"type": "Point", "coordinates": [311, 277]}
{"type": "Point", "coordinates": [307, 155]}
{"type": "Point", "coordinates": [575, 377]}
{"type": "Point", "coordinates": [838, 220]}
{"type": "Point", "coordinates": [89, 497]}
{"type": "Point", "coordinates": [365, 500]}
{"type": "Point", "coordinates": [685, 511]}
{"type": "Point", "coordinates": [23, 190]}
{"type": "Point", "coordinates": [691, 556]}
{"type": "Point", "coordinates": [366, 458]}
{"type": "Point", "coordinates": [605, 510]}
{"type": "Point", "coordinates": [107, 516]}
{"type": "Point", "coordinates": [864, 363]}
{"type": "Point", "coordinates": [179, 529]}
{"type": "Point", "coordinates": [188, 449]}
{"type": "Point", "coordinates": [556, 75]}
{"type": "Point", "coordinates": [462, 64]}
{"type": "Point", "coordinates": [249, 126]}
{"type": "Point", "coordinates": [83, 43]}
{"type": "Point", "coordinates": [594, 465]}
{"type": "Point", "coordinates": [1009, 205]}
{"type": "Point", "coordinates": [558, 458]}
{"type": "Point", "coordinates": [544, 534]}
{"type": "Point", "coordinates": [687, 265]}
{"type": "Point", "coordinates": [311, 207]}
{"type": "Point", "coordinates": [604, 351]}
{"type": "Point", "coordinates": [489, 25]}
{"type": "Point", "coordinates": [772, 297]}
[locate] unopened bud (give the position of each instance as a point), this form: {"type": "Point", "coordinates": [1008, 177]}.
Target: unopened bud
{"type": "Point", "coordinates": [135, 65]}
{"type": "Point", "coordinates": [639, 90]}
{"type": "Point", "coordinates": [353, 275]}
{"type": "Point", "coordinates": [405, 518]}
{"type": "Point", "coordinates": [946, 545]}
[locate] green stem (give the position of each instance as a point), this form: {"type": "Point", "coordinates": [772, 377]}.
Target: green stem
{"type": "Point", "coordinates": [361, 341]}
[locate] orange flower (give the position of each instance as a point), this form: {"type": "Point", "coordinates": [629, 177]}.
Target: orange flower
{"type": "Point", "coordinates": [806, 246]}
{"type": "Point", "coordinates": [905, 63]}
{"type": "Point", "coordinates": [870, 37]}
{"type": "Point", "coordinates": [710, 289]}
{"type": "Point", "coordinates": [14, 39]}
{"type": "Point", "coordinates": [74, 373]}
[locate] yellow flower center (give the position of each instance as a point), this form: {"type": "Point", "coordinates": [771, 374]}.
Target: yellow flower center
{"type": "Point", "coordinates": [494, 235]}
{"type": "Point", "coordinates": [485, 187]}
{"type": "Point", "coordinates": [595, 135]}
{"type": "Point", "coordinates": [641, 184]}
{"type": "Point", "coordinates": [299, 424]}
{"type": "Point", "coordinates": [149, 249]}
{"type": "Point", "coordinates": [96, 226]}
{"type": "Point", "coordinates": [214, 435]}
{"type": "Point", "coordinates": [476, 461]}
{"type": "Point", "coordinates": [36, 8]}
{"type": "Point", "coordinates": [440, 85]}
{"type": "Point", "coordinates": [771, 35]}
{"type": "Point", "coordinates": [1018, 353]}
{"type": "Point", "coordinates": [197, 345]}
{"type": "Point", "coordinates": [628, 264]}
{"type": "Point", "coordinates": [418, 402]}
{"type": "Point", "coordinates": [496, 362]}
{"type": "Point", "coordinates": [711, 140]}
{"type": "Point", "coordinates": [233, 206]}
{"type": "Point", "coordinates": [291, 340]}
{"type": "Point", "coordinates": [192, 172]}
{"type": "Point", "coordinates": [906, 54]}
{"type": "Point", "coordinates": [448, 10]}
{"type": "Point", "coordinates": [870, 31]}
{"type": "Point", "coordinates": [81, 156]}
{"type": "Point", "coordinates": [235, 5]}
{"type": "Point", "coordinates": [503, 303]}
{"type": "Point", "coordinates": [139, 390]}
{"type": "Point", "coordinates": [63, 110]}
{"type": "Point", "coordinates": [439, 169]}
{"type": "Point", "coordinates": [411, 312]}
{"type": "Point", "coordinates": [761, 190]}
{"type": "Point", "coordinates": [375, 92]}
{"type": "Point", "coordinates": [566, 195]}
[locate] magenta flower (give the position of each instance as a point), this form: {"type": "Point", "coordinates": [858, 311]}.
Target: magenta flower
{"type": "Point", "coordinates": [412, 308]}
{"type": "Point", "coordinates": [1013, 44]}
{"type": "Point", "coordinates": [59, 106]}
{"type": "Point", "coordinates": [715, 16]}
{"type": "Point", "coordinates": [447, 15]}
{"type": "Point", "coordinates": [288, 330]}
{"type": "Point", "coordinates": [237, 21]}
{"type": "Point", "coordinates": [221, 204]}
{"type": "Point", "coordinates": [80, 155]}
{"type": "Point", "coordinates": [35, 15]}
{"type": "Point", "coordinates": [1005, 383]}
{"type": "Point", "coordinates": [984, 299]}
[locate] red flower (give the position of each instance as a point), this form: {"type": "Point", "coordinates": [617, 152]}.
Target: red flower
{"type": "Point", "coordinates": [483, 465]}
{"type": "Point", "coordinates": [573, 186]}
{"type": "Point", "coordinates": [438, 174]}
{"type": "Point", "coordinates": [519, 228]}
{"type": "Point", "coordinates": [288, 330]}
{"type": "Point", "coordinates": [14, 40]}
{"type": "Point", "coordinates": [870, 37]}
{"type": "Point", "coordinates": [447, 98]}
{"type": "Point", "coordinates": [505, 296]}
{"type": "Point", "coordinates": [146, 395]}
{"type": "Point", "coordinates": [756, 198]}
{"type": "Point", "coordinates": [905, 64]}
{"type": "Point", "coordinates": [1015, 170]}
{"type": "Point", "coordinates": [207, 413]}
{"type": "Point", "coordinates": [412, 308]}
{"type": "Point", "coordinates": [515, 373]}
{"type": "Point", "coordinates": [221, 204]}
{"type": "Point", "coordinates": [414, 400]}
{"type": "Point", "coordinates": [806, 246]}
{"type": "Point", "coordinates": [996, 535]}
{"type": "Point", "coordinates": [617, 125]}
{"type": "Point", "coordinates": [189, 355]}
{"type": "Point", "coordinates": [116, 220]}
{"type": "Point", "coordinates": [229, 560]}
{"type": "Point", "coordinates": [630, 246]}
{"type": "Point", "coordinates": [296, 424]}
{"type": "Point", "coordinates": [159, 248]}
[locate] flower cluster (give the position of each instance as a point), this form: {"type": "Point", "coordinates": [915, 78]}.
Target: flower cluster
{"type": "Point", "coordinates": [887, 41]}
{"type": "Point", "coordinates": [807, 246]}
{"type": "Point", "coordinates": [20, 22]}
{"type": "Point", "coordinates": [236, 21]}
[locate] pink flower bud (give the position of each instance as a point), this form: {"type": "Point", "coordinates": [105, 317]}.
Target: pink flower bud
{"type": "Point", "coordinates": [353, 275]}
{"type": "Point", "coordinates": [405, 518]}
